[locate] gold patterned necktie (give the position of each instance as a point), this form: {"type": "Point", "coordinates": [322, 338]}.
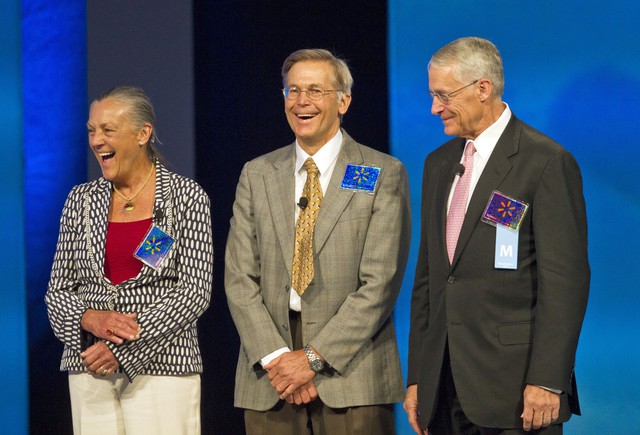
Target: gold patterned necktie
{"type": "Point", "coordinates": [303, 250]}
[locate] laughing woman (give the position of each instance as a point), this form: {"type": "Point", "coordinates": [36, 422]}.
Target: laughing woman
{"type": "Point", "coordinates": [131, 276]}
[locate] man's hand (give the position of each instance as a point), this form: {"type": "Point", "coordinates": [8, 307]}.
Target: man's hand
{"type": "Point", "coordinates": [541, 407]}
{"type": "Point", "coordinates": [99, 359]}
{"type": "Point", "coordinates": [289, 372]}
{"type": "Point", "coordinates": [111, 325]}
{"type": "Point", "coordinates": [411, 407]}
{"type": "Point", "coordinates": [305, 394]}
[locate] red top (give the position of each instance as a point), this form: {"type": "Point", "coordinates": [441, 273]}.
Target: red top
{"type": "Point", "coordinates": [123, 238]}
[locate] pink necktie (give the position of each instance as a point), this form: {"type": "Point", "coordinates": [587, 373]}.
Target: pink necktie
{"type": "Point", "coordinates": [458, 206]}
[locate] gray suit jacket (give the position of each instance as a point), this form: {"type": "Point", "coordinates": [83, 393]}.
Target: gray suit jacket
{"type": "Point", "coordinates": [504, 328]}
{"type": "Point", "coordinates": [361, 244]}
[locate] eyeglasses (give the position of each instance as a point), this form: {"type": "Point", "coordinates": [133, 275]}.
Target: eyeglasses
{"type": "Point", "coordinates": [445, 97]}
{"type": "Point", "coordinates": [314, 94]}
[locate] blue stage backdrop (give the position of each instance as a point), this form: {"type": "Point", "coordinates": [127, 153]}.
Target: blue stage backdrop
{"type": "Point", "coordinates": [55, 144]}
{"type": "Point", "coordinates": [13, 324]}
{"type": "Point", "coordinates": [571, 71]}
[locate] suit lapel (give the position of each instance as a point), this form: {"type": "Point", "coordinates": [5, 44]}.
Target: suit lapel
{"type": "Point", "coordinates": [280, 188]}
{"type": "Point", "coordinates": [96, 212]}
{"type": "Point", "coordinates": [494, 172]}
{"type": "Point", "coordinates": [162, 210]}
{"type": "Point", "coordinates": [279, 185]}
{"type": "Point", "coordinates": [335, 199]}
{"type": "Point", "coordinates": [162, 201]}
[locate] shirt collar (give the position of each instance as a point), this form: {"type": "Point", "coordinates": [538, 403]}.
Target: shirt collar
{"type": "Point", "coordinates": [487, 140]}
{"type": "Point", "coordinates": [325, 155]}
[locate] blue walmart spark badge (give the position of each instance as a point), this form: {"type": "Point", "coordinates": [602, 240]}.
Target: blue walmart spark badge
{"type": "Point", "coordinates": [506, 214]}
{"type": "Point", "coordinates": [154, 247]}
{"type": "Point", "coordinates": [360, 178]}
{"type": "Point", "coordinates": [504, 211]}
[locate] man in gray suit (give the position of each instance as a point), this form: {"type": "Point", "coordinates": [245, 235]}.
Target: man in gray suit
{"type": "Point", "coordinates": [320, 354]}
{"type": "Point", "coordinates": [502, 278]}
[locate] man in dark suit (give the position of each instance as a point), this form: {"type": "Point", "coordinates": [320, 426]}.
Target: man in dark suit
{"type": "Point", "coordinates": [502, 278]}
{"type": "Point", "coordinates": [318, 347]}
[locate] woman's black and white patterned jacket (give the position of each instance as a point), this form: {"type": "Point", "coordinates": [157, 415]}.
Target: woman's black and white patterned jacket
{"type": "Point", "coordinates": [168, 301]}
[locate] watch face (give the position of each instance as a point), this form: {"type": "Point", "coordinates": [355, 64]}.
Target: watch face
{"type": "Point", "coordinates": [317, 365]}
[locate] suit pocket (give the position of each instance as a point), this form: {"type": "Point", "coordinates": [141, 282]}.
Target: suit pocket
{"type": "Point", "coordinates": [515, 333]}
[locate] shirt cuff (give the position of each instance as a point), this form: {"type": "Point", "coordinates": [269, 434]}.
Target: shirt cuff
{"type": "Point", "coordinates": [553, 390]}
{"type": "Point", "coordinates": [273, 355]}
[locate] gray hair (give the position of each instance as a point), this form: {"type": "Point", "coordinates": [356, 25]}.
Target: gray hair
{"type": "Point", "coordinates": [472, 58]}
{"type": "Point", "coordinates": [140, 112]}
{"type": "Point", "coordinates": [342, 75]}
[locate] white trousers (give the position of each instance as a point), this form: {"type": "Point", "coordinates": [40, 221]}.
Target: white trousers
{"type": "Point", "coordinates": [151, 404]}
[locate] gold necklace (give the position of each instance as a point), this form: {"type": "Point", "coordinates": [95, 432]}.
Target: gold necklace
{"type": "Point", "coordinates": [129, 206]}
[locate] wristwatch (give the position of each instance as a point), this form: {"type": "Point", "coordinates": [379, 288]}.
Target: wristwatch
{"type": "Point", "coordinates": [315, 363]}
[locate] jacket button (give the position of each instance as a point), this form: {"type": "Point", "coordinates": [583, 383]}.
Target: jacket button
{"type": "Point", "coordinates": [285, 327]}
{"type": "Point", "coordinates": [287, 288]}
{"type": "Point", "coordinates": [451, 279]}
